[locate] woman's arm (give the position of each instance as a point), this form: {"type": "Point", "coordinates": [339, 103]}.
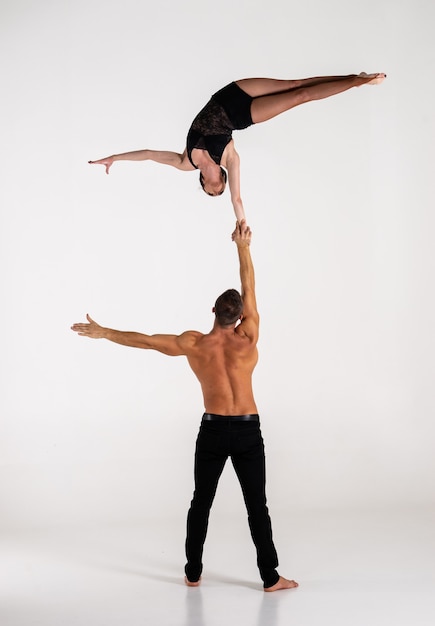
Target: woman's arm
{"type": "Point", "coordinates": [233, 167]}
{"type": "Point", "coordinates": [175, 159]}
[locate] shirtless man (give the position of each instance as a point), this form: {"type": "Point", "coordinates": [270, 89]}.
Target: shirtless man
{"type": "Point", "coordinates": [223, 361]}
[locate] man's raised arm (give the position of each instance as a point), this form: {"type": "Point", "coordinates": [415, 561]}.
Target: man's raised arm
{"type": "Point", "coordinates": [242, 238]}
{"type": "Point", "coordinates": [172, 345]}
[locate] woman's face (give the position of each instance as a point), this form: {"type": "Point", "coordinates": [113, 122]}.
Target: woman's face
{"type": "Point", "coordinates": [213, 186]}
{"type": "Point", "coordinates": [214, 189]}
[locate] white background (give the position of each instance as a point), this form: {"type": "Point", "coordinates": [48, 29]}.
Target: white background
{"type": "Point", "coordinates": [339, 195]}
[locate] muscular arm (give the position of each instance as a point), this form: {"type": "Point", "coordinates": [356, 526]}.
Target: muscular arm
{"type": "Point", "coordinates": [172, 345]}
{"type": "Point", "coordinates": [233, 167]}
{"type": "Point", "coordinates": [250, 322]}
{"type": "Point", "coordinates": [175, 159]}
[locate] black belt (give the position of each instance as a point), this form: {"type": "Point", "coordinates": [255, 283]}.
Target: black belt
{"type": "Point", "coordinates": [212, 417]}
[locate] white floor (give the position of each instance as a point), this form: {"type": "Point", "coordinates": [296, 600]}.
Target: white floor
{"type": "Point", "coordinates": [370, 569]}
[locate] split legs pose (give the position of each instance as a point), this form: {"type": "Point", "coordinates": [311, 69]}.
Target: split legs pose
{"type": "Point", "coordinates": [210, 146]}
{"type": "Point", "coordinates": [272, 97]}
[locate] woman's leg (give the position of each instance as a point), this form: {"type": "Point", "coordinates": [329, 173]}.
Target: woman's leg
{"type": "Point", "coordinates": [256, 87]}
{"type": "Point", "coordinates": [267, 106]}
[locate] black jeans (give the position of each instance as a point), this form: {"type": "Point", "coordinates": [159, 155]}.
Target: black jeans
{"type": "Point", "coordinates": [242, 441]}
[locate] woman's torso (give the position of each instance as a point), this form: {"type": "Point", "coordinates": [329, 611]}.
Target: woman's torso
{"type": "Point", "coordinates": [211, 130]}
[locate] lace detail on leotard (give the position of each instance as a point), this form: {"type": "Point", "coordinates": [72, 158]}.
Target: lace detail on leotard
{"type": "Point", "coordinates": [212, 120]}
{"type": "Point", "coordinates": [211, 130]}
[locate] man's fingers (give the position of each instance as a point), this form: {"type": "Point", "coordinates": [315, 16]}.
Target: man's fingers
{"type": "Point", "coordinates": [242, 231]}
{"type": "Point", "coordinates": [235, 231]}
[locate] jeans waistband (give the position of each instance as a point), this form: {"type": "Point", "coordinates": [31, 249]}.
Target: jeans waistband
{"type": "Point", "coordinates": [212, 417]}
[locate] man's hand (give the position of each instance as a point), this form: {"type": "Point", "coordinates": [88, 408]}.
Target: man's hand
{"type": "Point", "coordinates": [242, 234]}
{"type": "Point", "coordinates": [107, 162]}
{"type": "Point", "coordinates": [93, 330]}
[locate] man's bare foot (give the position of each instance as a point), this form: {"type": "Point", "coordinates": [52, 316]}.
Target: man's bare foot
{"type": "Point", "coordinates": [376, 79]}
{"type": "Point", "coordinates": [189, 584]}
{"type": "Point", "coordinates": [283, 583]}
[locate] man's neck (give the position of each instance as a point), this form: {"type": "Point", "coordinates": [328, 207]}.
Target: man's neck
{"type": "Point", "coordinates": [218, 329]}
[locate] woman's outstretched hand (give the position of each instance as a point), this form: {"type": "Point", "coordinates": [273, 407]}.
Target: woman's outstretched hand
{"type": "Point", "coordinates": [107, 162]}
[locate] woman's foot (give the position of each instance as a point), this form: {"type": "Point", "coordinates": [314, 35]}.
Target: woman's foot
{"type": "Point", "coordinates": [376, 79]}
{"type": "Point", "coordinates": [189, 584]}
{"type": "Point", "coordinates": [283, 583]}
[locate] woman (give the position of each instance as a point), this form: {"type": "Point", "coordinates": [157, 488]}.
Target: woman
{"type": "Point", "coordinates": [210, 147]}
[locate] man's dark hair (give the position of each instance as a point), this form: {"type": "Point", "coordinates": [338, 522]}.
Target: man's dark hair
{"type": "Point", "coordinates": [224, 180]}
{"type": "Point", "coordinates": [228, 307]}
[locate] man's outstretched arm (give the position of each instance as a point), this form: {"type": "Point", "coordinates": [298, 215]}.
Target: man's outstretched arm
{"type": "Point", "coordinates": [242, 237]}
{"type": "Point", "coordinates": [172, 345]}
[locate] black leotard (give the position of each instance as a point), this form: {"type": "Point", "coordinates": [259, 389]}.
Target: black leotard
{"type": "Point", "coordinates": [228, 109]}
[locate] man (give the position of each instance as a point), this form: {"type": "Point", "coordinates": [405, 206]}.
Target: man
{"type": "Point", "coordinates": [223, 361]}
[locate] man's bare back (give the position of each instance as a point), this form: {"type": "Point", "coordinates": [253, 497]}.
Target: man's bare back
{"type": "Point", "coordinates": [223, 361]}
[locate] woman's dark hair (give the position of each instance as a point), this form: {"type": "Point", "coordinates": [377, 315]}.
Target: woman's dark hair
{"type": "Point", "coordinates": [228, 307]}
{"type": "Point", "coordinates": [224, 178]}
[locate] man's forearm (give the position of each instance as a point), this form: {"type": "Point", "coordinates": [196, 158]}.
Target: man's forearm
{"type": "Point", "coordinates": [126, 338]}
{"type": "Point", "coordinates": [247, 275]}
